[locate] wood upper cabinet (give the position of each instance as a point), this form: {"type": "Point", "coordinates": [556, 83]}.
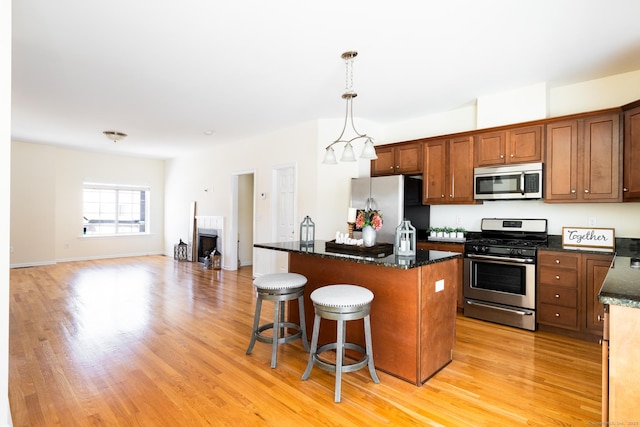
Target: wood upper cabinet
{"type": "Point", "coordinates": [448, 171]}
{"type": "Point", "coordinates": [583, 160]}
{"type": "Point", "coordinates": [631, 174]}
{"type": "Point", "coordinates": [398, 159]}
{"type": "Point", "coordinates": [596, 269]}
{"type": "Point", "coordinates": [520, 145]}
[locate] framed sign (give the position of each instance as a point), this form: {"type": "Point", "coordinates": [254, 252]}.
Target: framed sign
{"type": "Point", "coordinates": [598, 239]}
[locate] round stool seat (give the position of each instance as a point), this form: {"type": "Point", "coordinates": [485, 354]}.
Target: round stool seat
{"type": "Point", "coordinates": [280, 281]}
{"type": "Point", "coordinates": [342, 296]}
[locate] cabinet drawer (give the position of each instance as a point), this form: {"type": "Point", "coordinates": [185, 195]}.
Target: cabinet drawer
{"type": "Point", "coordinates": [558, 277]}
{"type": "Point", "coordinates": [557, 259]}
{"type": "Point", "coordinates": [565, 297]}
{"type": "Point", "coordinates": [558, 316]}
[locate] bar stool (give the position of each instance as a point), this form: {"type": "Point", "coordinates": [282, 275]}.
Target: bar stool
{"type": "Point", "coordinates": [279, 287]}
{"type": "Point", "coordinates": [341, 303]}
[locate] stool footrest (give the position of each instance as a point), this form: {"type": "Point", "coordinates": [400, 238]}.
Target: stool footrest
{"type": "Point", "coordinates": [288, 338]}
{"type": "Point", "coordinates": [346, 367]}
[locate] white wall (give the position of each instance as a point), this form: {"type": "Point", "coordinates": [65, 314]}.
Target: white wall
{"type": "Point", "coordinates": [5, 188]}
{"type": "Point", "coordinates": [187, 176]}
{"type": "Point", "coordinates": [46, 204]}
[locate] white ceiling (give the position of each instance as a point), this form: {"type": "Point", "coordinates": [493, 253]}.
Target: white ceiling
{"type": "Point", "coordinates": [166, 71]}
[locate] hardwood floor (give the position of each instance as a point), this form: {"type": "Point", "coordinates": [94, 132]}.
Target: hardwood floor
{"type": "Point", "coordinates": [153, 342]}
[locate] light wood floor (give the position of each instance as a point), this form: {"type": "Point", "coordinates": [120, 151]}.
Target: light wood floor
{"type": "Point", "coordinates": [150, 341]}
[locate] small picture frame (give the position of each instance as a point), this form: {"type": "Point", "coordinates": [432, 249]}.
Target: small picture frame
{"type": "Point", "coordinates": [594, 239]}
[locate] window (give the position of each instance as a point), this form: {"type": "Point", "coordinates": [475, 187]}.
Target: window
{"type": "Point", "coordinates": [115, 209]}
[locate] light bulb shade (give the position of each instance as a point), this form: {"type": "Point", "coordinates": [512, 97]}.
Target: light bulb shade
{"type": "Point", "coordinates": [368, 152]}
{"type": "Point", "coordinates": [330, 157]}
{"type": "Point", "coordinates": [348, 155]}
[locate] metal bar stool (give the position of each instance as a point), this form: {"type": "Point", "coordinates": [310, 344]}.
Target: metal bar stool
{"type": "Point", "coordinates": [341, 303]}
{"type": "Point", "coordinates": [279, 287]}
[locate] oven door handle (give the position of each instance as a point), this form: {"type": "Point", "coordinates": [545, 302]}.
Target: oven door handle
{"type": "Point", "coordinates": [522, 183]}
{"type": "Point", "coordinates": [502, 259]}
{"type": "Point", "coordinates": [495, 307]}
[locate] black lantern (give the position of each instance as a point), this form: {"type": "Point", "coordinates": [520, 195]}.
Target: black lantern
{"type": "Point", "coordinates": [307, 232]}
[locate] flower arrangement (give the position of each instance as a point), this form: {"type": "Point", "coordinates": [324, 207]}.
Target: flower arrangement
{"type": "Point", "coordinates": [371, 217]}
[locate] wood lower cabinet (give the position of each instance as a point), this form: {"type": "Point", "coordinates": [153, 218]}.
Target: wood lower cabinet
{"type": "Point", "coordinates": [448, 247]}
{"type": "Point", "coordinates": [520, 145]}
{"type": "Point", "coordinates": [448, 171]}
{"type": "Point", "coordinates": [631, 173]}
{"type": "Point", "coordinates": [584, 160]}
{"type": "Point", "coordinates": [568, 287]}
{"type": "Point", "coordinates": [596, 269]}
{"type": "Point", "coordinates": [558, 291]}
{"type": "Point", "coordinates": [395, 159]}
{"type": "Point", "coordinates": [622, 369]}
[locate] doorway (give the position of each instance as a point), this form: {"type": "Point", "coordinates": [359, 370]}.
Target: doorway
{"type": "Point", "coordinates": [242, 224]}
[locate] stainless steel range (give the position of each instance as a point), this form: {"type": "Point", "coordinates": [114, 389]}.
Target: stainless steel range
{"type": "Point", "coordinates": [500, 271]}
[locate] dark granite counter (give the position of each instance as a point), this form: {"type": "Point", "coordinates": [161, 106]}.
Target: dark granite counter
{"type": "Point", "coordinates": [392, 261]}
{"type": "Point", "coordinates": [622, 284]}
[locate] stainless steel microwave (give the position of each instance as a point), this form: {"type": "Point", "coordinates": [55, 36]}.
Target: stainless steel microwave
{"type": "Point", "coordinates": [511, 182]}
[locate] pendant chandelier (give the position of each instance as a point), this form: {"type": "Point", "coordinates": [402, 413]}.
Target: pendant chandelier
{"type": "Point", "coordinates": [348, 155]}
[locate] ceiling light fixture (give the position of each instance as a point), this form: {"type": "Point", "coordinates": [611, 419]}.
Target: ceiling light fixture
{"type": "Point", "coordinates": [368, 152]}
{"type": "Point", "coordinates": [114, 135]}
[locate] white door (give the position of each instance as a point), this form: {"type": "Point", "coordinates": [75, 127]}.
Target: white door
{"type": "Point", "coordinates": [284, 210]}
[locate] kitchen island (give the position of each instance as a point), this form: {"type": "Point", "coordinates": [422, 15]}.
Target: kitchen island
{"type": "Point", "coordinates": [621, 343]}
{"type": "Point", "coordinates": [413, 314]}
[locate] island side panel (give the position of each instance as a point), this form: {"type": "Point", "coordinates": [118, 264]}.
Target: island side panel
{"type": "Point", "coordinates": [438, 315]}
{"type": "Point", "coordinates": [394, 311]}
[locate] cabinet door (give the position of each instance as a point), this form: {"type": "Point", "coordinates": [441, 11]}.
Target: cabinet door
{"type": "Point", "coordinates": [434, 172]}
{"type": "Point", "coordinates": [525, 145]}
{"type": "Point", "coordinates": [631, 190]}
{"type": "Point", "coordinates": [460, 173]}
{"type": "Point", "coordinates": [601, 179]}
{"type": "Point", "coordinates": [597, 267]}
{"type": "Point", "coordinates": [490, 148]}
{"type": "Point", "coordinates": [561, 166]}
{"type": "Point", "coordinates": [385, 163]}
{"type": "Point", "coordinates": [409, 158]}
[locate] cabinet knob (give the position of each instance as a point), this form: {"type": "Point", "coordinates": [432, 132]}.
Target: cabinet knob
{"type": "Point", "coordinates": [600, 318]}
{"type": "Point", "coordinates": [626, 190]}
{"type": "Point", "coordinates": [398, 167]}
{"type": "Point", "coordinates": [451, 196]}
{"type": "Point", "coordinates": [391, 167]}
{"type": "Point", "coordinates": [557, 295]}
{"type": "Point", "coordinates": [502, 156]}
{"type": "Point", "coordinates": [557, 277]}
{"type": "Point", "coordinates": [557, 314]}
{"type": "Point", "coordinates": [557, 261]}
{"type": "Point", "coordinates": [586, 191]}
{"type": "Point", "coordinates": [573, 191]}
{"type": "Point", "coordinates": [442, 195]}
{"type": "Point", "coordinates": [512, 156]}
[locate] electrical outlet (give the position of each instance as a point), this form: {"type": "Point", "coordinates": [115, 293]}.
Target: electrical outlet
{"type": "Point", "coordinates": [440, 285]}
{"type": "Point", "coordinates": [592, 221]}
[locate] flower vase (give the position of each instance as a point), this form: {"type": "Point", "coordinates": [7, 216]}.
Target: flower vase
{"type": "Point", "coordinates": [368, 236]}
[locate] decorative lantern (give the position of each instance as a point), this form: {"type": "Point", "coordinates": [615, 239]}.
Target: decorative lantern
{"type": "Point", "coordinates": [216, 259]}
{"type": "Point", "coordinates": [180, 251]}
{"type": "Point", "coordinates": [307, 232]}
{"type": "Point", "coordinates": [405, 239]}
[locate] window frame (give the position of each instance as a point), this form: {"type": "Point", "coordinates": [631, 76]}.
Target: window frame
{"type": "Point", "coordinates": [116, 205]}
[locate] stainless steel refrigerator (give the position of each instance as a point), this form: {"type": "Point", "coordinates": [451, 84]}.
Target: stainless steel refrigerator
{"type": "Point", "coordinates": [397, 197]}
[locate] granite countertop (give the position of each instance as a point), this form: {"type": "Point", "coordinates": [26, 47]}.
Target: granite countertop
{"type": "Point", "coordinates": [392, 261]}
{"type": "Point", "coordinates": [622, 284]}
